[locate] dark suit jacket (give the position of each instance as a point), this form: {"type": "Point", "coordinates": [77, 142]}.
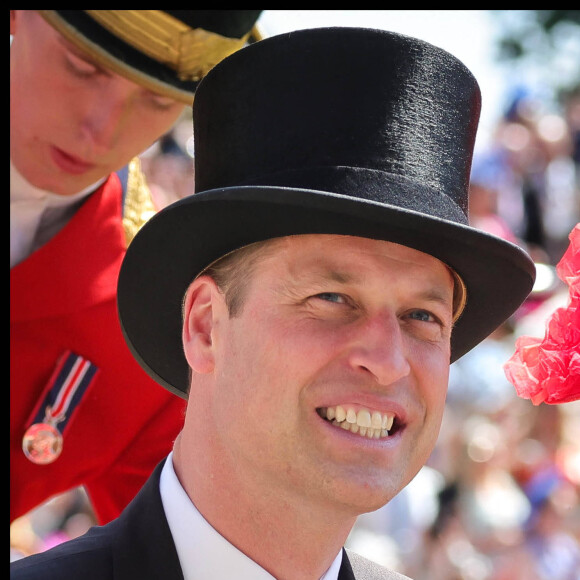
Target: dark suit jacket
{"type": "Point", "coordinates": [137, 546]}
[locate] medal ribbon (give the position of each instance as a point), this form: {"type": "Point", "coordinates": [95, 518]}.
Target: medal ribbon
{"type": "Point", "coordinates": [68, 383]}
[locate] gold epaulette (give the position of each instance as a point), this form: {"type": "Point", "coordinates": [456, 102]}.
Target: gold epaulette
{"type": "Point", "coordinates": [139, 206]}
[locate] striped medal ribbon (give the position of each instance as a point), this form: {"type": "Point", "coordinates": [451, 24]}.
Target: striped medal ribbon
{"type": "Point", "coordinates": [43, 440]}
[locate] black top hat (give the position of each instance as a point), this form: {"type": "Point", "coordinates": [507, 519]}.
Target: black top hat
{"type": "Point", "coordinates": [337, 131]}
{"type": "Point", "coordinates": [168, 51]}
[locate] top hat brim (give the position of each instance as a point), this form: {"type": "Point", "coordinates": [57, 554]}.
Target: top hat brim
{"type": "Point", "coordinates": [187, 236]}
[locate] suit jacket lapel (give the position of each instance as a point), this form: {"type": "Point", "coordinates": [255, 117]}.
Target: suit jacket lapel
{"type": "Point", "coordinates": [355, 567]}
{"type": "Point", "coordinates": [345, 572]}
{"type": "Point", "coordinates": [143, 545]}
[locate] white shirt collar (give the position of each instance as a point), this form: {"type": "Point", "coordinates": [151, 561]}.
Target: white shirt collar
{"type": "Point", "coordinates": [203, 553]}
{"type": "Point", "coordinates": [29, 206]}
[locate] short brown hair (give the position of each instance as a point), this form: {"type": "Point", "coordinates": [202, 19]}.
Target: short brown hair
{"type": "Point", "coordinates": [233, 272]}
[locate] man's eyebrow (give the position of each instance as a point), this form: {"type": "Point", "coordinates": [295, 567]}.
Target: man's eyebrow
{"type": "Point", "coordinates": [323, 273]}
{"type": "Point", "coordinates": [338, 276]}
{"type": "Point", "coordinates": [438, 295]}
{"type": "Point", "coordinates": [434, 294]}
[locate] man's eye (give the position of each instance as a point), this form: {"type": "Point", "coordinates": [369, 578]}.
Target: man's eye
{"type": "Point", "coordinates": [422, 316]}
{"type": "Point", "coordinates": [331, 297]}
{"type": "Point", "coordinates": [80, 67]}
{"type": "Point", "coordinates": [160, 102]}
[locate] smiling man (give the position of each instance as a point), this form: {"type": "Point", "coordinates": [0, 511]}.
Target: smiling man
{"type": "Point", "coordinates": [308, 302]}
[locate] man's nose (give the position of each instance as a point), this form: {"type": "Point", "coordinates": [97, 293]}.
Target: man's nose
{"type": "Point", "coordinates": [380, 350]}
{"type": "Point", "coordinates": [105, 118]}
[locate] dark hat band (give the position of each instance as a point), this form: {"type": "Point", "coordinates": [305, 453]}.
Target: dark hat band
{"type": "Point", "coordinates": [373, 185]}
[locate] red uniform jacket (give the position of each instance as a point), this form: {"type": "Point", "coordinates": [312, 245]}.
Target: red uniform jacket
{"type": "Point", "coordinates": [63, 297]}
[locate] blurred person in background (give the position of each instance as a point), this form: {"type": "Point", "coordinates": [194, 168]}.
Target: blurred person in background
{"type": "Point", "coordinates": [168, 164]}
{"type": "Point", "coordinates": [537, 174]}
{"type": "Point", "coordinates": [89, 91]}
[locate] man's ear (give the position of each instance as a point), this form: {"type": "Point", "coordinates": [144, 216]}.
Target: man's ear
{"type": "Point", "coordinates": [199, 310]}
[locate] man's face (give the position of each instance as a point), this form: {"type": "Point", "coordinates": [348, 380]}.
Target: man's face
{"type": "Point", "coordinates": [334, 322]}
{"type": "Point", "coordinates": [71, 121]}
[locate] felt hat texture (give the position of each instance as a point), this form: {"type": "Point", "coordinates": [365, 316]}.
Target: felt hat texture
{"type": "Point", "coordinates": [349, 131]}
{"type": "Point", "coordinates": [167, 51]}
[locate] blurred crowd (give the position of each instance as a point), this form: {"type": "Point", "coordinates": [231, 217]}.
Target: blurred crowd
{"type": "Point", "coordinates": [500, 497]}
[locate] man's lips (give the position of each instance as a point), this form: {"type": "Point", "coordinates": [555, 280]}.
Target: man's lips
{"type": "Point", "coordinates": [69, 163]}
{"type": "Point", "coordinates": [364, 422]}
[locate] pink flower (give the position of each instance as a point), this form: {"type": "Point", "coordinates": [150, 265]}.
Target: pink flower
{"type": "Point", "coordinates": [548, 370]}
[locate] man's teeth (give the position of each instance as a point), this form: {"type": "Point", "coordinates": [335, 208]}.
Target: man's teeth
{"type": "Point", "coordinates": [371, 424]}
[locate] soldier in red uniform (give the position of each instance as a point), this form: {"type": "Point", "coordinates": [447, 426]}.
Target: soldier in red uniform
{"type": "Point", "coordinates": [89, 91]}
